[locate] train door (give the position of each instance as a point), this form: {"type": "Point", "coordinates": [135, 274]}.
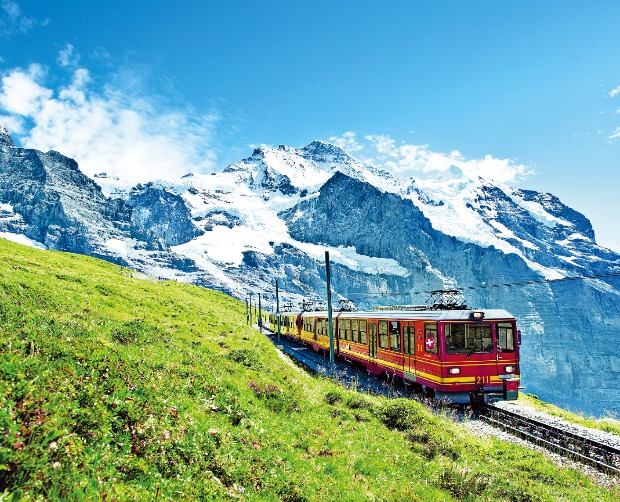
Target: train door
{"type": "Point", "coordinates": [372, 347]}
{"type": "Point", "coordinates": [427, 354]}
{"type": "Point", "coordinates": [372, 338]}
{"type": "Point", "coordinates": [409, 350]}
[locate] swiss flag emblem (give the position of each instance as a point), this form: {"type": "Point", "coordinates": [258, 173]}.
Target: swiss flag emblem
{"type": "Point", "coordinates": [430, 343]}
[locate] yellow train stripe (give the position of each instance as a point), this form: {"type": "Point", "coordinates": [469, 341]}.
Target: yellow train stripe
{"type": "Point", "coordinates": [463, 380]}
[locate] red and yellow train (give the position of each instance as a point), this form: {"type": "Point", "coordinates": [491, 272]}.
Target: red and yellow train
{"type": "Point", "coordinates": [460, 355]}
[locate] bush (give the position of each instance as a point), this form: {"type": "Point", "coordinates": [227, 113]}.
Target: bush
{"type": "Point", "coordinates": [137, 331]}
{"type": "Point", "coordinates": [276, 399]}
{"type": "Point", "coordinates": [333, 397]}
{"type": "Point", "coordinates": [356, 401]}
{"type": "Point", "coordinates": [247, 357]}
{"type": "Point", "coordinates": [401, 414]}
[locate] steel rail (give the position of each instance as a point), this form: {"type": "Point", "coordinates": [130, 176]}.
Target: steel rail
{"type": "Point", "coordinates": [601, 456]}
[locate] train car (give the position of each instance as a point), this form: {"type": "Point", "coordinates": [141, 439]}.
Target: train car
{"type": "Point", "coordinates": [461, 355]}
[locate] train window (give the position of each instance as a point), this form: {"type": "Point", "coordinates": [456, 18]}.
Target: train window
{"type": "Point", "coordinates": [347, 329]}
{"type": "Point", "coordinates": [355, 335]}
{"type": "Point", "coordinates": [341, 329]}
{"type": "Point", "coordinates": [430, 338]}
{"type": "Point", "coordinates": [395, 336]}
{"type": "Point", "coordinates": [383, 334]}
{"type": "Point", "coordinates": [468, 338]}
{"type": "Point", "coordinates": [363, 338]}
{"type": "Point", "coordinates": [505, 336]}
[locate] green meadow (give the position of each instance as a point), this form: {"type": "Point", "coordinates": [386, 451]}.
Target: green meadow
{"type": "Point", "coordinates": [116, 388]}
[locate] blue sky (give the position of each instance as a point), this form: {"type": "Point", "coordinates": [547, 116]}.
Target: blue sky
{"type": "Point", "coordinates": [528, 90]}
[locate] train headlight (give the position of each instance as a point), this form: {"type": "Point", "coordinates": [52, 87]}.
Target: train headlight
{"type": "Point", "coordinates": [477, 315]}
{"type": "Point", "coordinates": [454, 371]}
{"type": "Point", "coordinates": [510, 369]}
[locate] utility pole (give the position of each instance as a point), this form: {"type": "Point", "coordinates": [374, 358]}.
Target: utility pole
{"type": "Point", "coordinates": [250, 309]}
{"type": "Point", "coordinates": [278, 310]}
{"type": "Point", "coordinates": [260, 319]}
{"type": "Point", "coordinates": [329, 314]}
{"type": "Point", "coordinates": [247, 312]}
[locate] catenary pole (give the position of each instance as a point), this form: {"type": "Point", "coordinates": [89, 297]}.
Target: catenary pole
{"type": "Point", "coordinates": [250, 309]}
{"type": "Point", "coordinates": [278, 310]}
{"type": "Point", "coordinates": [329, 314]}
{"type": "Point", "coordinates": [260, 319]}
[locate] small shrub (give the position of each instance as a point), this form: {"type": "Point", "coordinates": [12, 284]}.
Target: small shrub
{"type": "Point", "coordinates": [276, 399]}
{"type": "Point", "coordinates": [401, 414]}
{"type": "Point", "coordinates": [462, 483]}
{"type": "Point", "coordinates": [357, 401]}
{"type": "Point", "coordinates": [137, 331]}
{"type": "Point", "coordinates": [246, 357]}
{"type": "Point", "coordinates": [430, 442]}
{"type": "Point", "coordinates": [333, 397]}
{"type": "Point", "coordinates": [291, 493]}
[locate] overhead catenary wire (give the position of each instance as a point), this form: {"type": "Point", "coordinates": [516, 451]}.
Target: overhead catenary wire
{"type": "Point", "coordinates": [488, 286]}
{"type": "Point", "coordinates": [335, 268]}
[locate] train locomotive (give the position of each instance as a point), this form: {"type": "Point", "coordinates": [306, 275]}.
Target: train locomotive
{"type": "Point", "coordinates": [446, 350]}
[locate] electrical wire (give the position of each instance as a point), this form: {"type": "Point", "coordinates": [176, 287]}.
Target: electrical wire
{"type": "Point", "coordinates": [335, 269]}
{"type": "Point", "coordinates": [488, 286]}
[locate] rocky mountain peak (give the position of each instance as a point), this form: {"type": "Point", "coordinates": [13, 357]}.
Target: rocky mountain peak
{"type": "Point", "coordinates": [5, 137]}
{"type": "Point", "coordinates": [322, 152]}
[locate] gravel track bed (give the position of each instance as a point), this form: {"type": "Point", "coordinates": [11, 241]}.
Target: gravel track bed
{"type": "Point", "coordinates": [601, 436]}
{"type": "Point", "coordinates": [481, 429]}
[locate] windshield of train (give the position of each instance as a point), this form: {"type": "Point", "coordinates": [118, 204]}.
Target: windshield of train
{"type": "Point", "coordinates": [468, 338]}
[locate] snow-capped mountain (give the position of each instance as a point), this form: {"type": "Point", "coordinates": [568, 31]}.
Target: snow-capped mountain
{"type": "Point", "coordinates": [272, 215]}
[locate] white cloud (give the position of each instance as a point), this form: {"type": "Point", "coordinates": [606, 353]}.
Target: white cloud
{"type": "Point", "coordinates": [12, 9]}
{"type": "Point", "coordinates": [347, 142]}
{"type": "Point", "coordinates": [12, 21]}
{"type": "Point", "coordinates": [12, 123]}
{"type": "Point", "coordinates": [616, 134]}
{"type": "Point", "coordinates": [21, 94]}
{"type": "Point", "coordinates": [113, 128]}
{"type": "Point", "coordinates": [66, 57]}
{"type": "Point", "coordinates": [420, 161]}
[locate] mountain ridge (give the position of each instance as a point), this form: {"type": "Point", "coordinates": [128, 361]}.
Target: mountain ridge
{"type": "Point", "coordinates": [272, 215]}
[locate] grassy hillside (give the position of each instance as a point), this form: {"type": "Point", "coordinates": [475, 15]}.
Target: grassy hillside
{"type": "Point", "coordinates": [117, 388]}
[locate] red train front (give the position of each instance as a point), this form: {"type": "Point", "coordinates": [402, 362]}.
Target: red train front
{"type": "Point", "coordinates": [461, 355]}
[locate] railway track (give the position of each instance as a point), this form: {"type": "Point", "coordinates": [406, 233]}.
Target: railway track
{"type": "Point", "coordinates": [347, 374]}
{"type": "Point", "coordinates": [579, 448]}
{"type": "Point", "coordinates": [603, 457]}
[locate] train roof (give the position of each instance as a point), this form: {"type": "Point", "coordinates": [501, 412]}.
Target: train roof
{"type": "Point", "coordinates": [431, 315]}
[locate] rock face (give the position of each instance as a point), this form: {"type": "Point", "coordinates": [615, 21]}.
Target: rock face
{"type": "Point", "coordinates": [272, 215]}
{"type": "Point", "coordinates": [5, 138]}
{"type": "Point", "coordinates": [49, 200]}
{"type": "Point", "coordinates": [163, 213]}
{"type": "Point", "coordinates": [570, 328]}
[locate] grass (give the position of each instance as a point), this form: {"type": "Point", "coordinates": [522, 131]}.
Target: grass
{"type": "Point", "coordinates": [114, 388]}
